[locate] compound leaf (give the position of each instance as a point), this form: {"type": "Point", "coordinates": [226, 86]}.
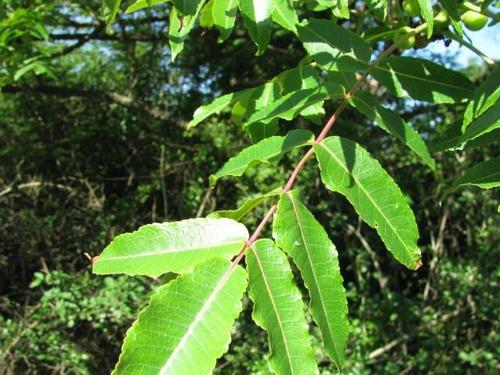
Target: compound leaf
{"type": "Point", "coordinates": [155, 249]}
{"type": "Point", "coordinates": [187, 324]}
{"type": "Point", "coordinates": [349, 169]}
{"type": "Point", "coordinates": [278, 308]}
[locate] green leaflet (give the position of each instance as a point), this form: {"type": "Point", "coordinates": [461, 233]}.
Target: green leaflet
{"type": "Point", "coordinates": [246, 207]}
{"type": "Point", "coordinates": [291, 105]}
{"type": "Point", "coordinates": [392, 123]}
{"type": "Point", "coordinates": [422, 80]}
{"type": "Point", "coordinates": [481, 131]}
{"type": "Point", "coordinates": [206, 19]}
{"type": "Point", "coordinates": [215, 107]}
{"type": "Point", "coordinates": [111, 9]}
{"type": "Point", "coordinates": [284, 15]}
{"type": "Point", "coordinates": [451, 6]}
{"type": "Point", "coordinates": [486, 96]}
{"type": "Point", "coordinates": [260, 131]}
{"type": "Point", "coordinates": [427, 14]}
{"type": "Point", "coordinates": [485, 123]}
{"type": "Point", "coordinates": [266, 150]}
{"type": "Point", "coordinates": [278, 308]}
{"type": "Point", "coordinates": [156, 249]}
{"type": "Point", "coordinates": [187, 7]}
{"type": "Point", "coordinates": [350, 170]}
{"type": "Point", "coordinates": [224, 15]}
{"type": "Point", "coordinates": [297, 232]}
{"type": "Point", "coordinates": [334, 46]}
{"type": "Point", "coordinates": [257, 17]}
{"type": "Point", "coordinates": [340, 8]}
{"type": "Point", "coordinates": [378, 7]}
{"type": "Point", "coordinates": [141, 4]}
{"type": "Point", "coordinates": [300, 77]}
{"type": "Point", "coordinates": [485, 175]}
{"type": "Point", "coordinates": [179, 28]}
{"type": "Point", "coordinates": [187, 324]}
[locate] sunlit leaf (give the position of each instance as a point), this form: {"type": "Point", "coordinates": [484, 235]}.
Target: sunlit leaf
{"type": "Point", "coordinates": [187, 324]}
{"type": "Point", "coordinates": [278, 308]}
{"type": "Point", "coordinates": [300, 235]}
{"type": "Point", "coordinates": [224, 15]}
{"type": "Point", "coordinates": [177, 247]}
{"type": "Point", "coordinates": [141, 4]}
{"type": "Point", "coordinates": [486, 96]}
{"type": "Point", "coordinates": [349, 169]}
{"type": "Point", "coordinates": [257, 17]}
{"type": "Point", "coordinates": [284, 15]}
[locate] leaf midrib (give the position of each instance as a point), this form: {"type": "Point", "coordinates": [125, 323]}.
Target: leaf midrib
{"type": "Point", "coordinates": [381, 68]}
{"type": "Point", "coordinates": [314, 274]}
{"type": "Point", "coordinates": [275, 309]}
{"type": "Point", "coordinates": [368, 196]}
{"type": "Point", "coordinates": [159, 253]}
{"type": "Point", "coordinates": [198, 317]}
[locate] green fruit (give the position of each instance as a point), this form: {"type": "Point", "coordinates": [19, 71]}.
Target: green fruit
{"type": "Point", "coordinates": [408, 43]}
{"type": "Point", "coordinates": [411, 7]}
{"type": "Point", "coordinates": [441, 19]}
{"type": "Point", "coordinates": [474, 21]}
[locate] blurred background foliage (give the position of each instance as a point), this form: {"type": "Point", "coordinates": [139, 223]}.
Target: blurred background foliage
{"type": "Point", "coordinates": [93, 142]}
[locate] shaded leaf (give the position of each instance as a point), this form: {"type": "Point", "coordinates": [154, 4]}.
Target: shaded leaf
{"type": "Point", "coordinates": [298, 233]}
{"type": "Point", "coordinates": [392, 123]}
{"type": "Point", "coordinates": [451, 7]}
{"type": "Point", "coordinates": [349, 169]}
{"type": "Point", "coordinates": [141, 4]}
{"type": "Point", "coordinates": [334, 46]}
{"type": "Point", "coordinates": [187, 7]}
{"type": "Point", "coordinates": [485, 175]}
{"type": "Point", "coordinates": [257, 18]}
{"type": "Point", "coordinates": [278, 308]}
{"type": "Point", "coordinates": [291, 105]}
{"type": "Point", "coordinates": [422, 79]}
{"type": "Point", "coordinates": [262, 152]}
{"type": "Point", "coordinates": [485, 123]}
{"type": "Point", "coordinates": [177, 247]}
{"type": "Point", "coordinates": [187, 324]}
{"type": "Point", "coordinates": [246, 207]}
{"type": "Point", "coordinates": [214, 107]}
